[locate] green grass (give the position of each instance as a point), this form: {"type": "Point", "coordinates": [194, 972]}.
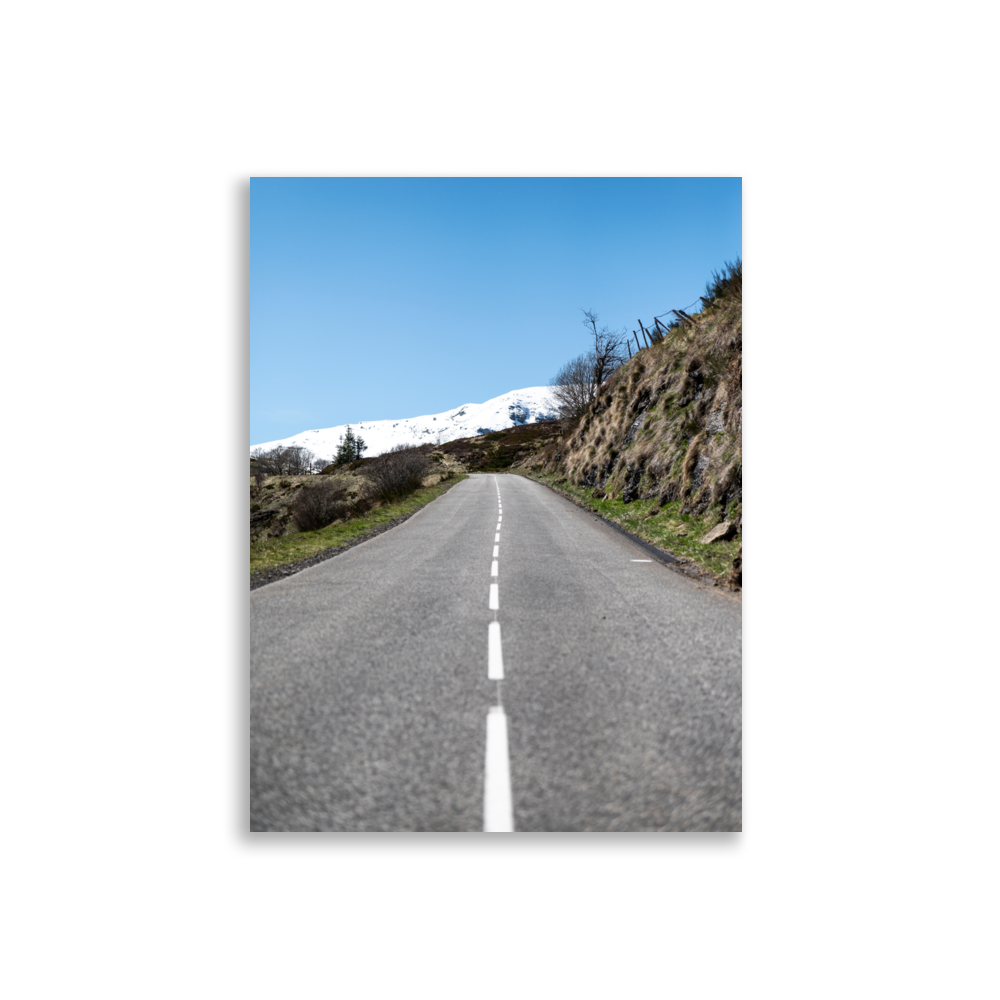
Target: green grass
{"type": "Point", "coordinates": [271, 552]}
{"type": "Point", "coordinates": [678, 533]}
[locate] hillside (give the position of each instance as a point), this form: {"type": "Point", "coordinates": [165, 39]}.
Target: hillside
{"type": "Point", "coordinates": [512, 409]}
{"type": "Point", "coordinates": [661, 447]}
{"type": "Point", "coordinates": [659, 452]}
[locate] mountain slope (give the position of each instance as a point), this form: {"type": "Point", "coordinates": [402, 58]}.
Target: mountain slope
{"type": "Point", "coordinates": [518, 407]}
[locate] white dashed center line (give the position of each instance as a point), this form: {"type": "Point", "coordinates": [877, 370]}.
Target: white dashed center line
{"type": "Point", "coordinates": [498, 809]}
{"type": "Point", "coordinates": [494, 655]}
{"type": "Point", "coordinates": [498, 806]}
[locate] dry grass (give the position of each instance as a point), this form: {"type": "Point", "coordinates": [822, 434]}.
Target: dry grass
{"type": "Point", "coordinates": [668, 425]}
{"type": "Point", "coordinates": [666, 526]}
{"type": "Point", "coordinates": [268, 552]}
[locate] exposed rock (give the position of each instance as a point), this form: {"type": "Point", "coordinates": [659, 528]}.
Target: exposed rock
{"type": "Point", "coordinates": [736, 575]}
{"type": "Point", "coordinates": [671, 492]}
{"type": "Point", "coordinates": [630, 492]}
{"type": "Point", "coordinates": [260, 519]}
{"type": "Point", "coordinates": [633, 430]}
{"type": "Point", "coordinates": [720, 533]}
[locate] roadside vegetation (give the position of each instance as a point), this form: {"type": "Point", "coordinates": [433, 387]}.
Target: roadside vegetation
{"type": "Point", "coordinates": [667, 527]}
{"type": "Point", "coordinates": [269, 552]}
{"type": "Point", "coordinates": [663, 429]}
{"type": "Point", "coordinates": [497, 451]}
{"type": "Point", "coordinates": [649, 436]}
{"type": "Point", "coordinates": [296, 517]}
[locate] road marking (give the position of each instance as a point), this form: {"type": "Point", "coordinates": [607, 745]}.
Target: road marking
{"type": "Point", "coordinates": [498, 808]}
{"type": "Point", "coordinates": [494, 654]}
{"type": "Point", "coordinates": [496, 537]}
{"type": "Point", "coordinates": [642, 560]}
{"type": "Point", "coordinates": [496, 550]}
{"type": "Point", "coordinates": [494, 568]}
{"type": "Point", "coordinates": [494, 598]}
{"type": "Point", "coordinates": [499, 518]}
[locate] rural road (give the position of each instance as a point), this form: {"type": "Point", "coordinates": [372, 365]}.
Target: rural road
{"type": "Point", "coordinates": [376, 698]}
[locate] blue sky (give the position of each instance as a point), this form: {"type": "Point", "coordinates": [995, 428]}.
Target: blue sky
{"type": "Point", "coordinates": [377, 298]}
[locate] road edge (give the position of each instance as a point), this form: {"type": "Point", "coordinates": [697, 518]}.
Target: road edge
{"type": "Point", "coordinates": [679, 564]}
{"type": "Point", "coordinates": [265, 576]}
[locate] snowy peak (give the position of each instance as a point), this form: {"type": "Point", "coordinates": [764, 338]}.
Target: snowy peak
{"type": "Point", "coordinates": [522, 406]}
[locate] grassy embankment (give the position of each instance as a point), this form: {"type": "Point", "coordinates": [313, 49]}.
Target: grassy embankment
{"type": "Point", "coordinates": [267, 552]}
{"type": "Point", "coordinates": [660, 448]}
{"type": "Point", "coordinates": [664, 526]}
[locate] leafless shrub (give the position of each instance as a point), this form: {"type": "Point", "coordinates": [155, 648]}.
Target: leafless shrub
{"type": "Point", "coordinates": [395, 473]}
{"type": "Point", "coordinates": [281, 461]}
{"type": "Point", "coordinates": [317, 506]}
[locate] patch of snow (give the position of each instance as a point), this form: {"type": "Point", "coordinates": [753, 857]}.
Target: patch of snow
{"type": "Point", "coordinates": [521, 406]}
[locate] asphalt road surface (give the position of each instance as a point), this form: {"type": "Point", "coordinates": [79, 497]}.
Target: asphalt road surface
{"type": "Point", "coordinates": [376, 698]}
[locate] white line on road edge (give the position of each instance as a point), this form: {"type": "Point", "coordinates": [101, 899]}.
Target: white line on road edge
{"type": "Point", "coordinates": [494, 598]}
{"type": "Point", "coordinates": [494, 568]}
{"type": "Point", "coordinates": [494, 654]}
{"type": "Point", "coordinates": [641, 560]}
{"type": "Point", "coordinates": [498, 808]}
{"type": "Point", "coordinates": [496, 550]}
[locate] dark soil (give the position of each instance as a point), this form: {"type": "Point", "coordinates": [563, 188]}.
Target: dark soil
{"type": "Point", "coordinates": [736, 576]}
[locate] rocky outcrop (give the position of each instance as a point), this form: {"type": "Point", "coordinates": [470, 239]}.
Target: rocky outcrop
{"type": "Point", "coordinates": [720, 533]}
{"type": "Point", "coordinates": [260, 519]}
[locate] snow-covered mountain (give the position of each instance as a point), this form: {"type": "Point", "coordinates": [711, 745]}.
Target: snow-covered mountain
{"type": "Point", "coordinates": [522, 406]}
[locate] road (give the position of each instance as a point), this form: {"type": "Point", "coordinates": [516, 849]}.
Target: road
{"type": "Point", "coordinates": [375, 703]}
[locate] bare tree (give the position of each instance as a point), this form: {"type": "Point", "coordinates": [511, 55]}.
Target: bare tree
{"type": "Point", "coordinates": [609, 348]}
{"type": "Point", "coordinates": [577, 383]}
{"type": "Point", "coordinates": [270, 461]}
{"type": "Point", "coordinates": [573, 386]}
{"type": "Point", "coordinates": [299, 460]}
{"type": "Point", "coordinates": [279, 461]}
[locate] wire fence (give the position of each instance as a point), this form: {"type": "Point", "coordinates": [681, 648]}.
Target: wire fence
{"type": "Point", "coordinates": [655, 334]}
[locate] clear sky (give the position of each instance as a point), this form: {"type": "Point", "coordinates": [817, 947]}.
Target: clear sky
{"type": "Point", "coordinates": [376, 298]}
